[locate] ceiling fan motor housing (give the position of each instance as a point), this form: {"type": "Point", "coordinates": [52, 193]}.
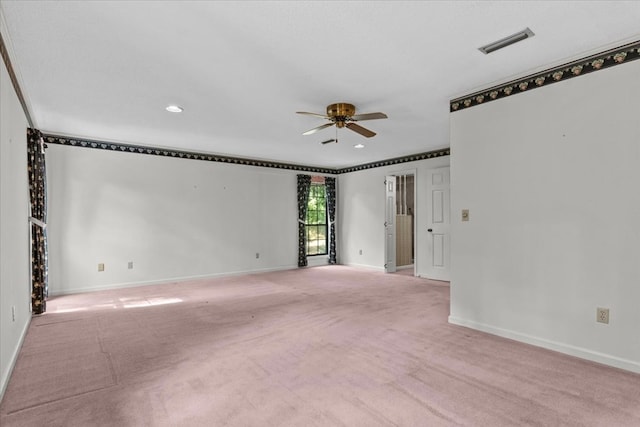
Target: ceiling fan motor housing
{"type": "Point", "coordinates": [340, 112]}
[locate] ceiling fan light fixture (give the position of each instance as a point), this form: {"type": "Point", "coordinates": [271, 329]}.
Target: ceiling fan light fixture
{"type": "Point", "coordinates": [174, 109]}
{"type": "Point", "coordinates": [507, 41]}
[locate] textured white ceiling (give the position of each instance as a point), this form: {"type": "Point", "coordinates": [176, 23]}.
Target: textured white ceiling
{"type": "Point", "coordinates": [241, 69]}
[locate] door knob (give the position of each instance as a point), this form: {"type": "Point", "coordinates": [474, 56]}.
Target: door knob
{"type": "Point", "coordinates": [430, 230]}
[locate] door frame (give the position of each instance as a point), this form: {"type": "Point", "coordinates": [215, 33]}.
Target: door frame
{"type": "Point", "coordinates": [398, 173]}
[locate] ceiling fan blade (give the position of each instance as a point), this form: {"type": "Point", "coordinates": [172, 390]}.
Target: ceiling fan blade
{"type": "Point", "coordinates": [329, 141]}
{"type": "Point", "coordinates": [369, 116]}
{"type": "Point", "coordinates": [359, 129]}
{"type": "Point", "coordinates": [316, 129]}
{"type": "Point", "coordinates": [324, 116]}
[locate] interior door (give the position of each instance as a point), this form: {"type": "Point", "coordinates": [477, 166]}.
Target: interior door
{"type": "Point", "coordinates": [438, 225]}
{"type": "Point", "coordinates": [390, 225]}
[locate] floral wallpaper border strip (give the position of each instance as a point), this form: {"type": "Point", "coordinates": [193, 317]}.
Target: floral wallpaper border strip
{"type": "Point", "coordinates": [139, 149]}
{"type": "Point", "coordinates": [599, 61]}
{"type": "Point", "coordinates": [398, 160]}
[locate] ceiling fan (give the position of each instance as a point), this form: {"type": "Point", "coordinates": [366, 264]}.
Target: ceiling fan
{"type": "Point", "coordinates": [344, 115]}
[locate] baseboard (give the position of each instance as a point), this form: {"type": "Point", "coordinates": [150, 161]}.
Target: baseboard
{"type": "Point", "coordinates": [4, 382]}
{"type": "Point", "coordinates": [54, 293]}
{"type": "Point", "coordinates": [315, 261]}
{"type": "Point", "coordinates": [582, 353]}
{"type": "Point", "coordinates": [365, 266]}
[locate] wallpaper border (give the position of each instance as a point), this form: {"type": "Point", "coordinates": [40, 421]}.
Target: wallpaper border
{"type": "Point", "coordinates": [600, 61]}
{"type": "Point", "coordinates": [190, 155]}
{"type": "Point", "coordinates": [398, 160]}
{"type": "Point", "coordinates": [179, 154]}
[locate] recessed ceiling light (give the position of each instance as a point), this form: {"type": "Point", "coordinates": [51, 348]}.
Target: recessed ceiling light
{"type": "Point", "coordinates": [174, 109]}
{"type": "Point", "coordinates": [358, 146]}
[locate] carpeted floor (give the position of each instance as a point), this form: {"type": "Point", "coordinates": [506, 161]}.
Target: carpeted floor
{"type": "Point", "coordinates": [324, 346]}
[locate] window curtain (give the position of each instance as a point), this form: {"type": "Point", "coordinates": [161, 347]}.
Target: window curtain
{"type": "Point", "coordinates": [38, 195]}
{"type": "Point", "coordinates": [330, 184]}
{"type": "Point", "coordinates": [304, 184]}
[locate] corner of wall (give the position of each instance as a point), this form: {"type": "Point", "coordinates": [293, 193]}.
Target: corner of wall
{"type": "Point", "coordinates": [8, 370]}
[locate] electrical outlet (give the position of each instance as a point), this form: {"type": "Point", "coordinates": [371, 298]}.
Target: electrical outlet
{"type": "Point", "coordinates": [602, 315]}
{"type": "Point", "coordinates": [257, 255]}
{"type": "Point", "coordinates": [360, 251]}
{"type": "Point", "coordinates": [101, 267]}
{"type": "Point", "coordinates": [130, 265]}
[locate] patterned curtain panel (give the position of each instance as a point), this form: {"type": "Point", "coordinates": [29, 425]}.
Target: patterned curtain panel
{"type": "Point", "coordinates": [38, 195]}
{"type": "Point", "coordinates": [330, 184]}
{"type": "Point", "coordinates": [304, 183]}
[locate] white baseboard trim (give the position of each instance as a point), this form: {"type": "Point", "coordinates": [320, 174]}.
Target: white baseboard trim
{"type": "Point", "coordinates": [365, 266]}
{"type": "Point", "coordinates": [315, 261]}
{"type": "Point", "coordinates": [582, 353]}
{"type": "Point", "coordinates": [4, 382]}
{"type": "Point", "coordinates": [54, 293]}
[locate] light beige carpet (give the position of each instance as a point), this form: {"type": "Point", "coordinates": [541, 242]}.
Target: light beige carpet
{"type": "Point", "coordinates": [325, 346]}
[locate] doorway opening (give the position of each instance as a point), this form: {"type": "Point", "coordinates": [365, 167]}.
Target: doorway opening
{"type": "Point", "coordinates": [405, 213]}
{"type": "Point", "coordinates": [430, 254]}
{"type": "Point", "coordinates": [400, 252]}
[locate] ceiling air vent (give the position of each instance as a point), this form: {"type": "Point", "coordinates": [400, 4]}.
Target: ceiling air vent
{"type": "Point", "coordinates": [513, 38]}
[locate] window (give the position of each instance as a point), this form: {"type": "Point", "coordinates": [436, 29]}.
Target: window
{"type": "Point", "coordinates": [316, 221]}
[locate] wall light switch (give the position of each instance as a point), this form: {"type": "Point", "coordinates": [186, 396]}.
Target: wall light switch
{"type": "Point", "coordinates": [465, 214]}
{"type": "Point", "coordinates": [101, 267]}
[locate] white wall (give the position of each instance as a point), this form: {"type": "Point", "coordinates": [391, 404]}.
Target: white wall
{"type": "Point", "coordinates": [173, 218]}
{"type": "Point", "coordinates": [14, 228]}
{"type": "Point", "coordinates": [552, 181]}
{"type": "Point", "coordinates": [361, 213]}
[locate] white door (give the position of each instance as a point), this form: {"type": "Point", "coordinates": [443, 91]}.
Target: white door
{"type": "Point", "coordinates": [438, 225]}
{"type": "Point", "coordinates": [390, 225]}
